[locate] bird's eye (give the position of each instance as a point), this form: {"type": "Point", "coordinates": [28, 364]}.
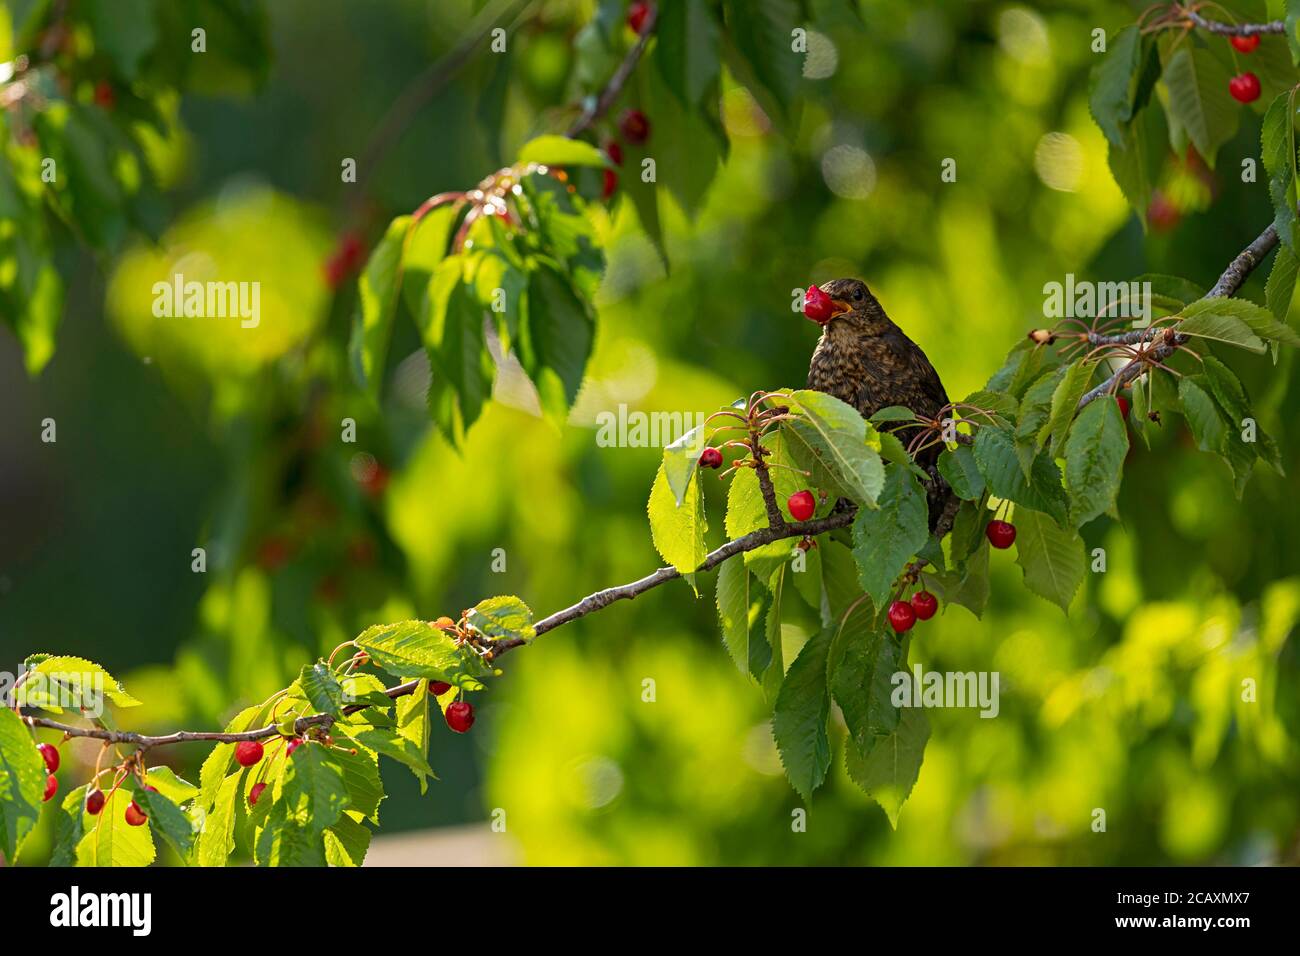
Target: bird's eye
{"type": "Point", "coordinates": [857, 295]}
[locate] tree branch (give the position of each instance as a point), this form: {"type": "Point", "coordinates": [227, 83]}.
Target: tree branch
{"type": "Point", "coordinates": [1233, 29]}
{"type": "Point", "coordinates": [1242, 265]}
{"type": "Point", "coordinates": [601, 104]}
{"type": "Point", "coordinates": [425, 86]}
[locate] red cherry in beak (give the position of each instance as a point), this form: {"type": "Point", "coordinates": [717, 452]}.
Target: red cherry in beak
{"type": "Point", "coordinates": [817, 305]}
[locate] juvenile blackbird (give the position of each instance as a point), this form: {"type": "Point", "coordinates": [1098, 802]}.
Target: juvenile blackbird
{"type": "Point", "coordinates": [866, 361]}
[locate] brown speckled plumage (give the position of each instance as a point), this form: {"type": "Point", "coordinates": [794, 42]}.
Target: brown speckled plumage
{"type": "Point", "coordinates": [865, 360]}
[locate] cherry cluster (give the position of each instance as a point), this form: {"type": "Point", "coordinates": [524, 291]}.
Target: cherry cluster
{"type": "Point", "coordinates": [1244, 87]}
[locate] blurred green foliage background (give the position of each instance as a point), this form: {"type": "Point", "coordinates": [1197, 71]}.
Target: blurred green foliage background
{"type": "Point", "coordinates": [171, 440]}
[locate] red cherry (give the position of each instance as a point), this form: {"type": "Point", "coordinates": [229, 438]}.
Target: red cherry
{"type": "Point", "coordinates": [609, 184]}
{"type": "Point", "coordinates": [924, 604]}
{"type": "Point", "coordinates": [802, 504]}
{"type": "Point", "coordinates": [901, 616]}
{"type": "Point", "coordinates": [1244, 87]}
{"type": "Point", "coordinates": [1162, 215]}
{"type": "Point", "coordinates": [817, 305]}
{"type": "Point", "coordinates": [437, 688]}
{"type": "Point", "coordinates": [1244, 44]}
{"type": "Point", "coordinates": [460, 716]}
{"type": "Point", "coordinates": [105, 97]}
{"type": "Point", "coordinates": [248, 752]}
{"type": "Point", "coordinates": [273, 552]}
{"type": "Point", "coordinates": [94, 802]}
{"type": "Point", "coordinates": [134, 815]}
{"type": "Point", "coordinates": [1123, 406]}
{"type": "Point", "coordinates": [51, 785]}
{"type": "Point", "coordinates": [292, 745]}
{"type": "Point", "coordinates": [254, 793]}
{"type": "Point", "coordinates": [1001, 534]}
{"type": "Point", "coordinates": [375, 480]}
{"type": "Point", "coordinates": [614, 152]}
{"type": "Point", "coordinates": [710, 458]}
{"type": "Point", "coordinates": [51, 755]}
{"type": "Point", "coordinates": [636, 128]}
{"type": "Point", "coordinates": [348, 254]}
{"type": "Point", "coordinates": [636, 15]}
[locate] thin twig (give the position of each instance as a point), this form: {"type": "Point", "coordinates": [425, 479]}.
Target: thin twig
{"type": "Point", "coordinates": [425, 87]}
{"type": "Point", "coordinates": [1234, 29]}
{"type": "Point", "coordinates": [601, 104]}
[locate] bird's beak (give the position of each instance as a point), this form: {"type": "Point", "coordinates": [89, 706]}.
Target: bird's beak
{"type": "Point", "coordinates": [839, 307]}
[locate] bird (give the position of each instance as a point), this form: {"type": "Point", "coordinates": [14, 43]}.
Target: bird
{"type": "Point", "coordinates": [868, 362]}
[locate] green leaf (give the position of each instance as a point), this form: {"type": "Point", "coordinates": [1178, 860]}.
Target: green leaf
{"type": "Point", "coordinates": [556, 341]}
{"type": "Point", "coordinates": [172, 787]}
{"type": "Point", "coordinates": [1259, 320]}
{"type": "Point", "coordinates": [377, 292]}
{"type": "Point", "coordinates": [418, 649]}
{"type": "Point", "coordinates": [1137, 165]}
{"type": "Point", "coordinates": [167, 820]}
{"type": "Point", "coordinates": [124, 31]}
{"type": "Point", "coordinates": [502, 617]}
{"type": "Point", "coordinates": [830, 440]}
{"type": "Point", "coordinates": [995, 454]}
{"type": "Point", "coordinates": [73, 683]}
{"type": "Point", "coordinates": [687, 50]}
{"type": "Point", "coordinates": [1094, 460]}
{"type": "Point", "coordinates": [36, 324]}
{"type": "Point", "coordinates": [1036, 407]}
{"type": "Point", "coordinates": [1113, 82]}
{"type": "Point", "coordinates": [1065, 399]}
{"type": "Point", "coordinates": [552, 150]}
{"type": "Point", "coordinates": [398, 748]}
{"type": "Point", "coordinates": [862, 662]}
{"type": "Point", "coordinates": [1199, 100]}
{"type": "Point", "coordinates": [686, 144]}
{"type": "Point", "coordinates": [884, 539]}
{"type": "Point", "coordinates": [346, 842]}
{"type": "Point", "coordinates": [1280, 288]}
{"type": "Point", "coordinates": [772, 674]}
{"type": "Point", "coordinates": [286, 841]}
{"type": "Point", "coordinates": [321, 689]}
{"type": "Point", "coordinates": [109, 840]}
{"type": "Point", "coordinates": [968, 585]}
{"type": "Point", "coordinates": [69, 827]}
{"type": "Point", "coordinates": [1223, 320]}
{"type": "Point", "coordinates": [678, 532]}
{"type": "Point", "coordinates": [1293, 29]}
{"type": "Point", "coordinates": [413, 724]}
{"type": "Point", "coordinates": [312, 788]}
{"type": "Point", "coordinates": [22, 783]}
{"type": "Point", "coordinates": [887, 767]}
{"type": "Point", "coordinates": [960, 471]}
{"type": "Point", "coordinates": [737, 608]}
{"type": "Point", "coordinates": [426, 248]}
{"type": "Point", "coordinates": [217, 839]}
{"type": "Point", "coordinates": [1203, 416]}
{"type": "Point", "coordinates": [1170, 292]}
{"type": "Point", "coordinates": [451, 323]}
{"type": "Point", "coordinates": [799, 721]}
{"type": "Point", "coordinates": [1052, 559]}
{"type": "Point", "coordinates": [763, 59]}
{"type": "Point", "coordinates": [360, 771]}
{"type": "Point", "coordinates": [1277, 149]}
